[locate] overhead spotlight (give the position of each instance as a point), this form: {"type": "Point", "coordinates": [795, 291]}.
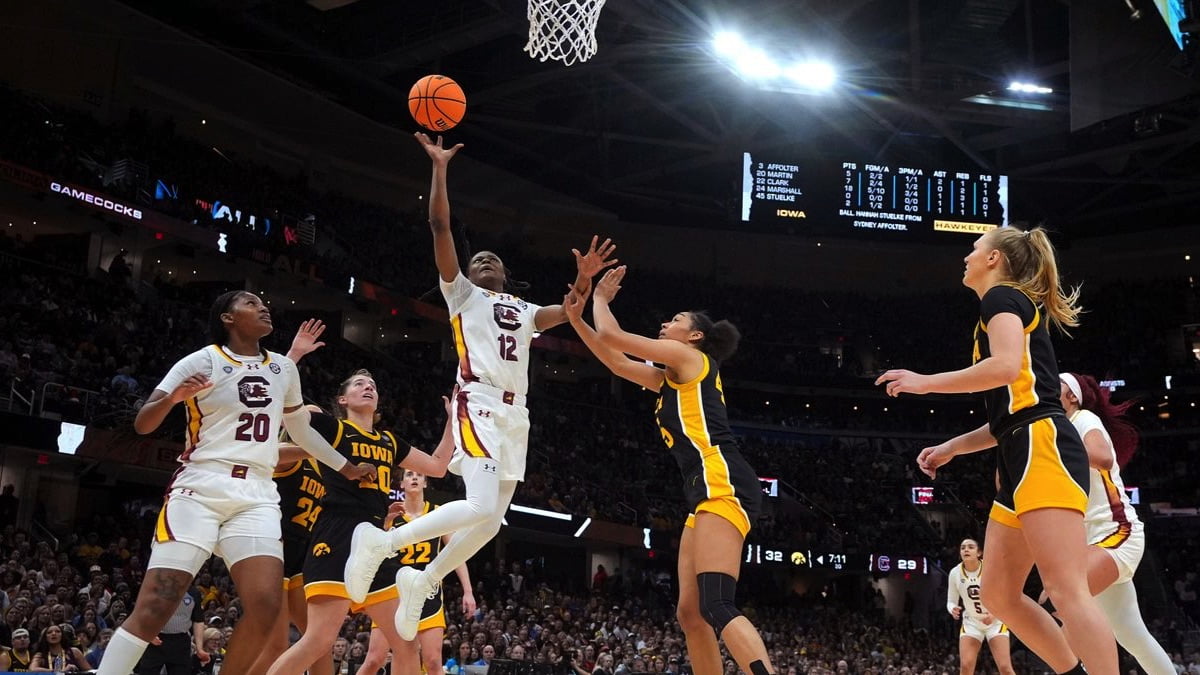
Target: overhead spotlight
{"type": "Point", "coordinates": [755, 64]}
{"type": "Point", "coordinates": [729, 44]}
{"type": "Point", "coordinates": [1027, 88]}
{"type": "Point", "coordinates": [812, 74]}
{"type": "Point", "coordinates": [1134, 12]}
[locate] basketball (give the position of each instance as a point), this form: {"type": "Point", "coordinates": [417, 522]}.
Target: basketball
{"type": "Point", "coordinates": [437, 102]}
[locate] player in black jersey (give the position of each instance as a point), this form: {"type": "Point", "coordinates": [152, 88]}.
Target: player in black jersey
{"type": "Point", "coordinates": [344, 506]}
{"type": "Point", "coordinates": [425, 652]}
{"type": "Point", "coordinates": [720, 485]}
{"type": "Point", "coordinates": [1042, 465]}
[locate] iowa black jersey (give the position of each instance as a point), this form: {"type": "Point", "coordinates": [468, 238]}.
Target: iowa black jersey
{"type": "Point", "coordinates": [1035, 393]}
{"type": "Point", "coordinates": [380, 449]}
{"type": "Point", "coordinates": [419, 554]}
{"type": "Point", "coordinates": [300, 492]}
{"type": "Point", "coordinates": [692, 417]}
{"type": "Point", "coordinates": [19, 664]}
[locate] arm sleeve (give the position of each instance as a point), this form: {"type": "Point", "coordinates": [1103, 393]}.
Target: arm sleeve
{"type": "Point", "coordinates": [198, 362]}
{"type": "Point", "coordinates": [293, 396]}
{"type": "Point", "coordinates": [456, 292]}
{"type": "Point", "coordinates": [1006, 300]}
{"type": "Point", "coordinates": [298, 427]}
{"type": "Point", "coordinates": [952, 596]}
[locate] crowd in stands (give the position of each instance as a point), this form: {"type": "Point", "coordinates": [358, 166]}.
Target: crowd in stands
{"type": "Point", "coordinates": [101, 342]}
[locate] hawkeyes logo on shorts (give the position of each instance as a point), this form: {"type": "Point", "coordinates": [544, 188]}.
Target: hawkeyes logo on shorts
{"type": "Point", "coordinates": [253, 391]}
{"type": "Point", "coordinates": [321, 549]}
{"type": "Point", "coordinates": [507, 317]}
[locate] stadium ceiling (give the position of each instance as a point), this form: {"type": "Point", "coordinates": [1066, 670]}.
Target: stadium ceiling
{"type": "Point", "coordinates": [653, 127]}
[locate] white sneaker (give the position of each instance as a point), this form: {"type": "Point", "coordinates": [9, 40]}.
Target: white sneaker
{"type": "Point", "coordinates": [368, 548]}
{"type": "Point", "coordinates": [414, 588]}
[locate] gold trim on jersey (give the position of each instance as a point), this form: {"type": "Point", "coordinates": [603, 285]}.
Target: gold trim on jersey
{"type": "Point", "coordinates": [229, 357]}
{"type": "Point", "coordinates": [287, 472]}
{"type": "Point", "coordinates": [337, 438]}
{"type": "Point", "coordinates": [373, 435]}
{"type": "Point", "coordinates": [471, 443]}
{"type": "Point", "coordinates": [162, 529]}
{"type": "Point", "coordinates": [195, 419]}
{"type": "Point", "coordinates": [694, 381]}
{"type": "Point", "coordinates": [460, 346]}
{"type": "Point", "coordinates": [1117, 506]}
{"type": "Point", "coordinates": [1022, 392]}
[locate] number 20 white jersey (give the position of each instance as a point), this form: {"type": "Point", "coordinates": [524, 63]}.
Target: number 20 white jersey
{"type": "Point", "coordinates": [236, 421]}
{"type": "Point", "coordinates": [492, 333]}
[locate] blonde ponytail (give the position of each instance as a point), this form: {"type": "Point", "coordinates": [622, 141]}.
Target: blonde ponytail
{"type": "Point", "coordinates": [1033, 268]}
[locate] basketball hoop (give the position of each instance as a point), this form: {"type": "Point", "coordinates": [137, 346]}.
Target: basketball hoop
{"type": "Point", "coordinates": [563, 30]}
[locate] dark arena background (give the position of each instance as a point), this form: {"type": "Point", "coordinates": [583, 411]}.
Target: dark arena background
{"type": "Point", "coordinates": [813, 171]}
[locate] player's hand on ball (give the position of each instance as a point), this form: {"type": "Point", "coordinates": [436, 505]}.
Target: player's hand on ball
{"type": "Point", "coordinates": [359, 472]}
{"type": "Point", "coordinates": [596, 259]}
{"type": "Point", "coordinates": [931, 458]}
{"type": "Point", "coordinates": [190, 387]}
{"type": "Point", "coordinates": [610, 284]}
{"type": "Point", "coordinates": [904, 382]}
{"type": "Point", "coordinates": [434, 149]}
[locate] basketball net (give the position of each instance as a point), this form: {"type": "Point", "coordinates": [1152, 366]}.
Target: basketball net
{"type": "Point", "coordinates": [563, 30]}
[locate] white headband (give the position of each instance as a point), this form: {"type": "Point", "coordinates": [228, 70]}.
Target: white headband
{"type": "Point", "coordinates": [1073, 385]}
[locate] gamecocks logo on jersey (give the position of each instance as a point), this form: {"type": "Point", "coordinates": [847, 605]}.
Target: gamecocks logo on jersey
{"type": "Point", "coordinates": [507, 317]}
{"type": "Point", "coordinates": [253, 392]}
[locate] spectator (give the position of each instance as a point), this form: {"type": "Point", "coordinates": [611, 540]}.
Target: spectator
{"type": "Point", "coordinates": [96, 652]}
{"type": "Point", "coordinates": [53, 654]}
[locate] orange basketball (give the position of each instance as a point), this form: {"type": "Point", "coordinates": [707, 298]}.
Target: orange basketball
{"type": "Point", "coordinates": [437, 102]}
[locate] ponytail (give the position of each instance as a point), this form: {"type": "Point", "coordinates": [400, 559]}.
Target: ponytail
{"type": "Point", "coordinates": [1033, 266]}
{"type": "Point", "coordinates": [1096, 399]}
{"type": "Point", "coordinates": [720, 339]}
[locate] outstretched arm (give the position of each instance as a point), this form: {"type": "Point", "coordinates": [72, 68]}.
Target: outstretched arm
{"type": "Point", "coordinates": [433, 465]}
{"type": "Point", "coordinates": [639, 373]}
{"type": "Point", "coordinates": [675, 355]}
{"type": "Point", "coordinates": [306, 340]}
{"type": "Point", "coordinates": [1006, 340]}
{"type": "Point", "coordinates": [587, 265]}
{"type": "Point", "coordinates": [444, 253]}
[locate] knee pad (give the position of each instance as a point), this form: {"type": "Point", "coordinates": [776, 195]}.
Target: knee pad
{"type": "Point", "coordinates": [717, 591]}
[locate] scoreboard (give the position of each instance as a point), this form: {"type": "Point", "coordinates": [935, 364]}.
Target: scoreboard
{"type": "Point", "coordinates": [865, 197]}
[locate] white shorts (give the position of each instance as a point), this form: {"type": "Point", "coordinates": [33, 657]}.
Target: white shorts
{"type": "Point", "coordinates": [973, 628]}
{"type": "Point", "coordinates": [1126, 550]}
{"type": "Point", "coordinates": [204, 508]}
{"type": "Point", "coordinates": [487, 426]}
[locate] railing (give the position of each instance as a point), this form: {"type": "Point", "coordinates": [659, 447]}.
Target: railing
{"type": "Point", "coordinates": [87, 399]}
{"type": "Point", "coordinates": [14, 396]}
{"type": "Point", "coordinates": [44, 532]}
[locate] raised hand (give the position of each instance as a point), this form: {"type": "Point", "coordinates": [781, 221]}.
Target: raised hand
{"type": "Point", "coordinates": [610, 284]}
{"type": "Point", "coordinates": [190, 387]}
{"type": "Point", "coordinates": [436, 152]}
{"type": "Point", "coordinates": [395, 509]}
{"type": "Point", "coordinates": [573, 304]}
{"type": "Point", "coordinates": [306, 338]}
{"type": "Point", "coordinates": [596, 259]}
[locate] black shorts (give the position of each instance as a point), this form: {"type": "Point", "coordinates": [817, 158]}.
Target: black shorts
{"type": "Point", "coordinates": [294, 551]}
{"type": "Point", "coordinates": [325, 562]}
{"type": "Point", "coordinates": [724, 483]}
{"type": "Point", "coordinates": [1042, 464]}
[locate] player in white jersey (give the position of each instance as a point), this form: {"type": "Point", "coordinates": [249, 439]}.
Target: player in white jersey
{"type": "Point", "coordinates": [1115, 533]}
{"type": "Point", "coordinates": [963, 602]}
{"type": "Point", "coordinates": [493, 330]}
{"type": "Point", "coordinates": [222, 499]}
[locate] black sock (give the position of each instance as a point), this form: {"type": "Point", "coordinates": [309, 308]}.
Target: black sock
{"type": "Point", "coordinates": [757, 668]}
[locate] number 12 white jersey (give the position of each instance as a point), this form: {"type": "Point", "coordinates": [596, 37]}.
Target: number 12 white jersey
{"type": "Point", "coordinates": [492, 333]}
{"type": "Point", "coordinates": [236, 421]}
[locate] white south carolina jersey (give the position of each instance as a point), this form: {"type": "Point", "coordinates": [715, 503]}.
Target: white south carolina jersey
{"type": "Point", "coordinates": [966, 585]}
{"type": "Point", "coordinates": [1110, 517]}
{"type": "Point", "coordinates": [236, 421]}
{"type": "Point", "coordinates": [492, 333]}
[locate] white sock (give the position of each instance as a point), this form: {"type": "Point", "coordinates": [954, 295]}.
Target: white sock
{"type": "Point", "coordinates": [1120, 605]}
{"type": "Point", "coordinates": [483, 489]}
{"type": "Point", "coordinates": [123, 652]}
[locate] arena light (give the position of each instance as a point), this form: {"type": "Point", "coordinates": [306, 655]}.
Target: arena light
{"type": "Point", "coordinates": [540, 512]}
{"type": "Point", "coordinates": [753, 63]}
{"type": "Point", "coordinates": [728, 44]}
{"type": "Point", "coordinates": [1028, 88]}
{"type": "Point", "coordinates": [818, 75]}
